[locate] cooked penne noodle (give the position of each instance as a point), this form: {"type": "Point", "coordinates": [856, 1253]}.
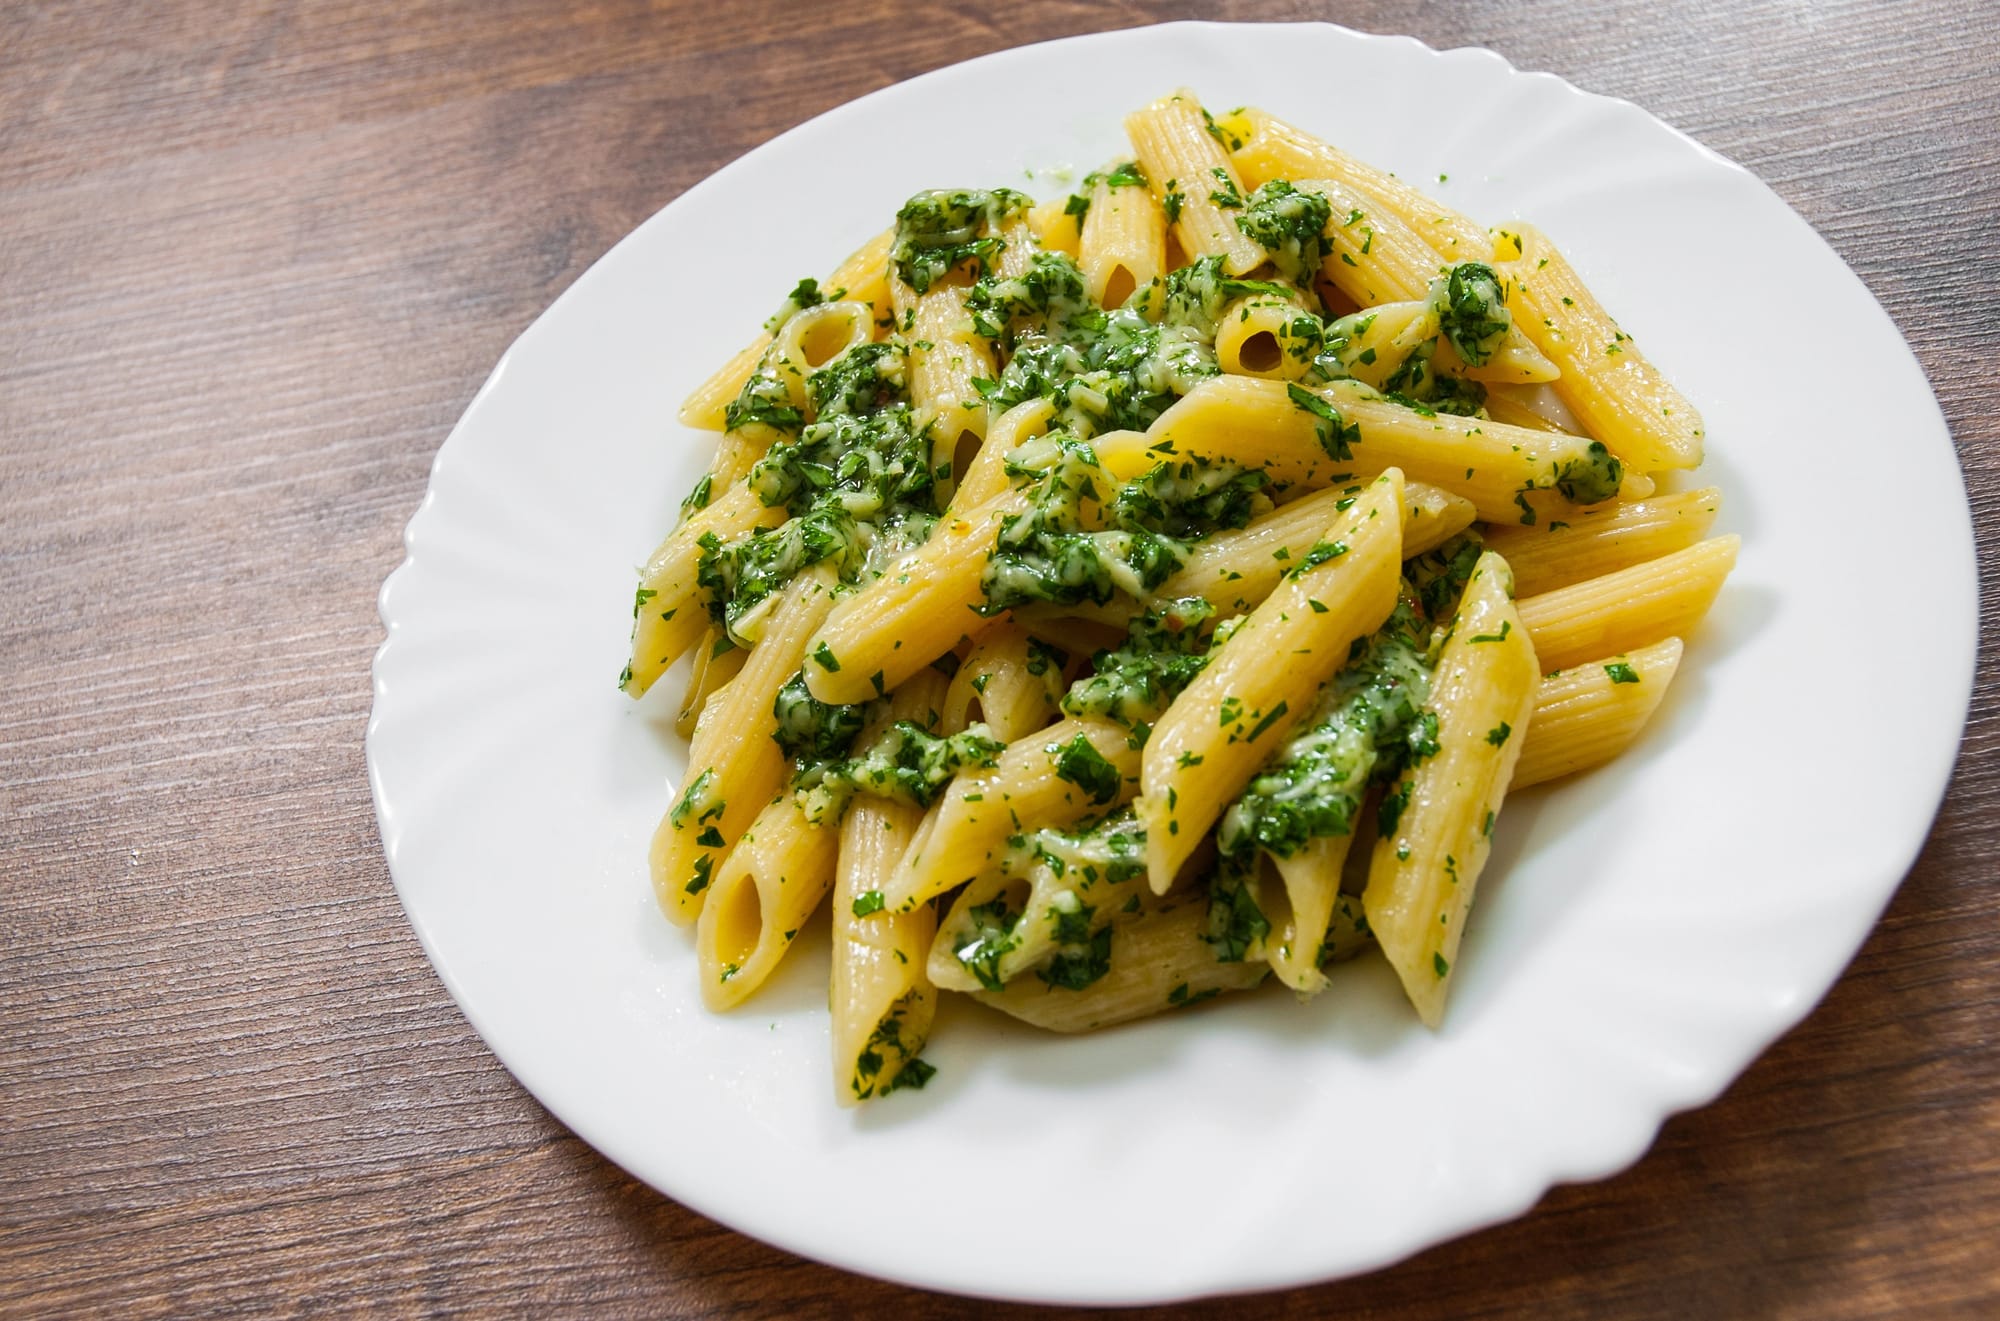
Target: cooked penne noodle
{"type": "Point", "coordinates": [1191, 176]}
{"type": "Point", "coordinates": [1599, 541]}
{"type": "Point", "coordinates": [1159, 961]}
{"type": "Point", "coordinates": [1611, 387]}
{"type": "Point", "coordinates": [816, 336]}
{"type": "Point", "coordinates": [1051, 778]}
{"type": "Point", "coordinates": [1123, 245]}
{"type": "Point", "coordinates": [1009, 681]}
{"type": "Point", "coordinates": [1260, 683]}
{"type": "Point", "coordinates": [1374, 257]}
{"type": "Point", "coordinates": [1426, 866]}
{"type": "Point", "coordinates": [735, 765]}
{"type": "Point", "coordinates": [1273, 149]}
{"type": "Point", "coordinates": [987, 477]}
{"type": "Point", "coordinates": [914, 613]}
{"type": "Point", "coordinates": [1386, 336]}
{"type": "Point", "coordinates": [1268, 337]}
{"type": "Point", "coordinates": [669, 615]}
{"type": "Point", "coordinates": [717, 660]}
{"type": "Point", "coordinates": [881, 1001]}
{"type": "Point", "coordinates": [863, 277]}
{"type": "Point", "coordinates": [1592, 712]}
{"type": "Point", "coordinates": [772, 881]}
{"type": "Point", "coordinates": [947, 355]}
{"type": "Point", "coordinates": [1243, 420]}
{"type": "Point", "coordinates": [1629, 608]}
{"type": "Point", "coordinates": [1297, 947]}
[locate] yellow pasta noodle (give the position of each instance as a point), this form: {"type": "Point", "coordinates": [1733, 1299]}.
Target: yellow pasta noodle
{"type": "Point", "coordinates": [1158, 962]}
{"type": "Point", "coordinates": [1425, 869]}
{"type": "Point", "coordinates": [1629, 608]}
{"type": "Point", "coordinates": [1592, 712]}
{"type": "Point", "coordinates": [1204, 749]}
{"type": "Point", "coordinates": [1123, 245]}
{"type": "Point", "coordinates": [1191, 176]}
{"type": "Point", "coordinates": [880, 999]}
{"type": "Point", "coordinates": [1618, 395]}
{"type": "Point", "coordinates": [770, 884]}
{"type": "Point", "coordinates": [735, 766]}
{"type": "Point", "coordinates": [1598, 541]}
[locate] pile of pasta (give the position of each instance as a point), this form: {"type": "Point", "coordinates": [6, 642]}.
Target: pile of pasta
{"type": "Point", "coordinates": [1129, 598]}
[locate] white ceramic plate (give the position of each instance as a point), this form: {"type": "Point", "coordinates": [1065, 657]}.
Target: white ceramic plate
{"type": "Point", "coordinates": [1642, 934]}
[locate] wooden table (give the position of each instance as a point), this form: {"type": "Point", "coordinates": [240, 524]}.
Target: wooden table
{"type": "Point", "coordinates": [257, 258]}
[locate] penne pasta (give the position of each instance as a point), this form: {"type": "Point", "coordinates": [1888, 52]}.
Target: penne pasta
{"type": "Point", "coordinates": [1272, 149]}
{"type": "Point", "coordinates": [880, 999]}
{"type": "Point", "coordinates": [1193, 180]}
{"type": "Point", "coordinates": [669, 615]}
{"type": "Point", "coordinates": [1602, 540]}
{"type": "Point", "coordinates": [1010, 681]}
{"type": "Point", "coordinates": [1426, 865]}
{"type": "Point", "coordinates": [1611, 387]}
{"type": "Point", "coordinates": [735, 765]}
{"type": "Point", "coordinates": [1204, 749]}
{"type": "Point", "coordinates": [1123, 243]}
{"type": "Point", "coordinates": [770, 884]}
{"type": "Point", "coordinates": [1592, 712]}
{"type": "Point", "coordinates": [1132, 617]}
{"type": "Point", "coordinates": [1629, 608]}
{"type": "Point", "coordinates": [1330, 433]}
{"type": "Point", "coordinates": [1158, 962]}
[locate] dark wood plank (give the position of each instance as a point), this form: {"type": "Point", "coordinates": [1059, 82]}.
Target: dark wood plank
{"type": "Point", "coordinates": [256, 259]}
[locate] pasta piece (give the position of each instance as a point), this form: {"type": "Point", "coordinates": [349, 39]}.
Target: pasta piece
{"type": "Point", "coordinates": [772, 881]}
{"type": "Point", "coordinates": [1388, 335]}
{"type": "Point", "coordinates": [1123, 246]}
{"type": "Point", "coordinates": [1272, 149]}
{"type": "Point", "coordinates": [1300, 926]}
{"type": "Point", "coordinates": [706, 408]}
{"type": "Point", "coordinates": [1629, 608]}
{"type": "Point", "coordinates": [1266, 336]}
{"type": "Point", "coordinates": [947, 355]}
{"type": "Point", "coordinates": [669, 615]}
{"type": "Point", "coordinates": [1061, 774]}
{"type": "Point", "coordinates": [1374, 257]}
{"type": "Point", "coordinates": [1619, 396]}
{"type": "Point", "coordinates": [717, 660]}
{"type": "Point", "coordinates": [1159, 961]}
{"type": "Point", "coordinates": [862, 277]}
{"type": "Point", "coordinates": [1056, 228]}
{"type": "Point", "coordinates": [1316, 437]}
{"type": "Point", "coordinates": [1191, 177]}
{"type": "Point", "coordinates": [1259, 683]}
{"type": "Point", "coordinates": [1426, 864]}
{"type": "Point", "coordinates": [1009, 680]}
{"type": "Point", "coordinates": [735, 765]}
{"type": "Point", "coordinates": [914, 613]}
{"type": "Point", "coordinates": [1050, 917]}
{"type": "Point", "coordinates": [1586, 715]}
{"type": "Point", "coordinates": [881, 1001]}
{"type": "Point", "coordinates": [1599, 541]}
{"type": "Point", "coordinates": [815, 337]}
{"type": "Point", "coordinates": [987, 477]}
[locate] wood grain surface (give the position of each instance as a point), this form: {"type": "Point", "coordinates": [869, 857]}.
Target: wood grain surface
{"type": "Point", "coordinates": [256, 259]}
